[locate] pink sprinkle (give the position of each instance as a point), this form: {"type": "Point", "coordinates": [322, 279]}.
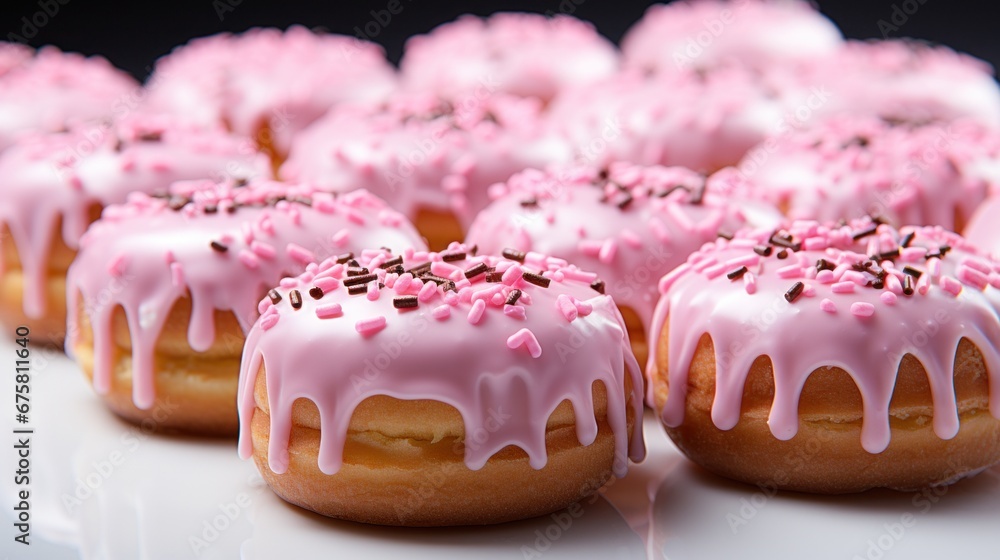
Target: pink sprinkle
{"type": "Point", "coordinates": [264, 305]}
{"type": "Point", "coordinates": [977, 264]}
{"type": "Point", "coordinates": [373, 290]}
{"type": "Point", "coordinates": [451, 298]}
{"type": "Point", "coordinates": [371, 326]}
{"type": "Point", "coordinates": [177, 274]}
{"type": "Point", "coordinates": [266, 225]}
{"type": "Point", "coordinates": [680, 218]}
{"type": "Point", "coordinates": [828, 306]}
{"type": "Point", "coordinates": [631, 239]}
{"type": "Point", "coordinates": [893, 284]}
{"type": "Point", "coordinates": [862, 309]}
{"type": "Point", "coordinates": [608, 251]}
{"type": "Point", "coordinates": [746, 260]}
{"type": "Point", "coordinates": [329, 311]}
{"type": "Point", "coordinates": [441, 312]}
{"type": "Point", "coordinates": [300, 254]}
{"type": "Point", "coordinates": [441, 268]}
{"type": "Point", "coordinates": [341, 237]}
{"type": "Point", "coordinates": [512, 275]}
{"type": "Point", "coordinates": [809, 290]}
{"type": "Point", "coordinates": [117, 266]}
{"type": "Point", "coordinates": [912, 254]}
{"type": "Point", "coordinates": [972, 277]}
{"type": "Point", "coordinates": [269, 321]}
{"type": "Point", "coordinates": [855, 277]}
{"type": "Point", "coordinates": [888, 298]}
{"type": "Point", "coordinates": [169, 255]}
{"type": "Point", "coordinates": [249, 259]}
{"type": "Point", "coordinates": [263, 250]}
{"type": "Point", "coordinates": [514, 312]}
{"type": "Point", "coordinates": [583, 308]}
{"type": "Point", "coordinates": [427, 292]}
{"type": "Point", "coordinates": [815, 243]}
{"type": "Point", "coordinates": [497, 300]}
{"type": "Point", "coordinates": [525, 298]}
{"type": "Point", "coordinates": [924, 284]}
{"type": "Point", "coordinates": [843, 287]}
{"type": "Point", "coordinates": [790, 271]}
{"type": "Point", "coordinates": [714, 271]}
{"type": "Point", "coordinates": [390, 218]}
{"type": "Point", "coordinates": [705, 263]}
{"type": "Point", "coordinates": [288, 283]}
{"type": "Point", "coordinates": [327, 284]}
{"type": "Point", "coordinates": [565, 306]}
{"type": "Point", "coordinates": [403, 282]}
{"type": "Point", "coordinates": [934, 267]}
{"type": "Point", "coordinates": [579, 275]}
{"type": "Point", "coordinates": [995, 280]}
{"type": "Point", "coordinates": [526, 338]}
{"type": "Point", "coordinates": [672, 276]}
{"type": "Point", "coordinates": [355, 216]}
{"type": "Point", "coordinates": [750, 283]}
{"type": "Point", "coordinates": [950, 285]}
{"type": "Point", "coordinates": [824, 277]}
{"type": "Point", "coordinates": [476, 313]}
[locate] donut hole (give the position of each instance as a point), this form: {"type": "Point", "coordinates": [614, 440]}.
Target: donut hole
{"type": "Point", "coordinates": [439, 227]}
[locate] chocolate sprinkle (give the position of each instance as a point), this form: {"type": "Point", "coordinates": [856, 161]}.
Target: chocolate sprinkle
{"type": "Point", "coordinates": [625, 202]}
{"type": "Point", "coordinates": [737, 274]}
{"type": "Point", "coordinates": [478, 269]}
{"type": "Point", "coordinates": [763, 250]}
{"type": "Point", "coordinates": [452, 257]}
{"type": "Point", "coordinates": [151, 136]}
{"type": "Point", "coordinates": [786, 242]}
{"type": "Point", "coordinates": [513, 296]}
{"type": "Point", "coordinates": [353, 263]}
{"type": "Point", "coordinates": [405, 302]}
{"type": "Point", "coordinates": [274, 296]}
{"type": "Point", "coordinates": [794, 292]}
{"type": "Point", "coordinates": [514, 255]}
{"type": "Point", "coordinates": [363, 279]}
{"type": "Point", "coordinates": [392, 262]}
{"type": "Point", "coordinates": [211, 209]}
{"type": "Point", "coordinates": [530, 203]}
{"type": "Point", "coordinates": [908, 285]}
{"type": "Point", "coordinates": [536, 279]}
{"type": "Point", "coordinates": [862, 233]}
{"type": "Point", "coordinates": [726, 235]}
{"type": "Point", "coordinates": [178, 202]}
{"type": "Point", "coordinates": [295, 298]}
{"type": "Point", "coordinates": [494, 276]}
{"type": "Point", "coordinates": [316, 292]}
{"type": "Point", "coordinates": [358, 289]}
{"type": "Point", "coordinates": [218, 247]}
{"type": "Point", "coordinates": [418, 271]}
{"type": "Point", "coordinates": [824, 264]}
{"type": "Point", "coordinates": [913, 272]}
{"type": "Point", "coordinates": [783, 254]}
{"type": "Point", "coordinates": [357, 271]}
{"type": "Point", "coordinates": [473, 250]}
{"type": "Point", "coordinates": [598, 286]}
{"type": "Point", "coordinates": [344, 258]}
{"type": "Point", "coordinates": [907, 239]}
{"type": "Point", "coordinates": [398, 269]}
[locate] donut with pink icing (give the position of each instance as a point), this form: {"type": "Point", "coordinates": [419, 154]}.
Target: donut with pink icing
{"type": "Point", "coordinates": [899, 80]}
{"type": "Point", "coordinates": [164, 287]}
{"type": "Point", "coordinates": [847, 168]}
{"type": "Point", "coordinates": [56, 184]}
{"type": "Point", "coordinates": [707, 34]}
{"type": "Point", "coordinates": [53, 89]}
{"type": "Point", "coordinates": [983, 230]}
{"type": "Point", "coordinates": [13, 55]}
{"type": "Point", "coordinates": [509, 379]}
{"type": "Point", "coordinates": [522, 54]}
{"type": "Point", "coordinates": [702, 121]}
{"type": "Point", "coordinates": [872, 350]}
{"type": "Point", "coordinates": [269, 84]}
{"type": "Point", "coordinates": [433, 159]}
{"type": "Point", "coordinates": [629, 224]}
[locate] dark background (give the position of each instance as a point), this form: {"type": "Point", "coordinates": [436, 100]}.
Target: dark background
{"type": "Point", "coordinates": [133, 33]}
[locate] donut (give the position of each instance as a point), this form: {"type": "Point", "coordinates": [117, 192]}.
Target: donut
{"type": "Point", "coordinates": [164, 288]}
{"type": "Point", "coordinates": [432, 158]}
{"type": "Point", "coordinates": [13, 55]}
{"type": "Point", "coordinates": [52, 89]}
{"type": "Point", "coordinates": [266, 83]}
{"type": "Point", "coordinates": [528, 55]}
{"type": "Point", "coordinates": [899, 80]}
{"type": "Point", "coordinates": [832, 358]}
{"type": "Point", "coordinates": [707, 34]}
{"type": "Point", "coordinates": [56, 184]}
{"type": "Point", "coordinates": [702, 121]}
{"type": "Point", "coordinates": [439, 389]}
{"type": "Point", "coordinates": [983, 230]}
{"type": "Point", "coordinates": [630, 224]}
{"type": "Point", "coordinates": [851, 167]}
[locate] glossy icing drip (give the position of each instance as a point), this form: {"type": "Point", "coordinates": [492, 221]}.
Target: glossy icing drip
{"type": "Point", "coordinates": [52, 177]}
{"type": "Point", "coordinates": [441, 328]}
{"type": "Point", "coordinates": [630, 224]}
{"type": "Point", "coordinates": [420, 151]}
{"type": "Point", "coordinates": [221, 245]}
{"type": "Point", "coordinates": [860, 317]}
{"type": "Point", "coordinates": [851, 167]}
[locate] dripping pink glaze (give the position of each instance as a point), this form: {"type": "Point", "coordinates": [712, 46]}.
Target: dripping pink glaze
{"type": "Point", "coordinates": [286, 79]}
{"type": "Point", "coordinates": [703, 121]}
{"type": "Point", "coordinates": [422, 152]}
{"type": "Point", "coordinates": [983, 229]}
{"type": "Point", "coordinates": [578, 218]}
{"type": "Point", "coordinates": [144, 256]}
{"type": "Point", "coordinates": [899, 80]}
{"type": "Point", "coordinates": [524, 366]}
{"type": "Point", "coordinates": [48, 177]}
{"type": "Point", "coordinates": [853, 167]}
{"type": "Point", "coordinates": [754, 33]}
{"type": "Point", "coordinates": [854, 330]}
{"type": "Point", "coordinates": [521, 54]}
{"type": "Point", "coordinates": [47, 92]}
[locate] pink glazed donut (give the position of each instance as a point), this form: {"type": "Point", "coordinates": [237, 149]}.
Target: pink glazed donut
{"type": "Point", "coordinates": [832, 359]}
{"type": "Point", "coordinates": [164, 288]}
{"type": "Point", "coordinates": [630, 224]}
{"type": "Point", "coordinates": [702, 121]}
{"type": "Point", "coordinates": [269, 84]}
{"type": "Point", "coordinates": [521, 54]}
{"type": "Point", "coordinates": [433, 159]}
{"type": "Point", "coordinates": [707, 34]}
{"type": "Point", "coordinates": [53, 89]}
{"type": "Point", "coordinates": [846, 168]}
{"type": "Point", "coordinates": [56, 184]}
{"type": "Point", "coordinates": [13, 55]}
{"type": "Point", "coordinates": [507, 381]}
